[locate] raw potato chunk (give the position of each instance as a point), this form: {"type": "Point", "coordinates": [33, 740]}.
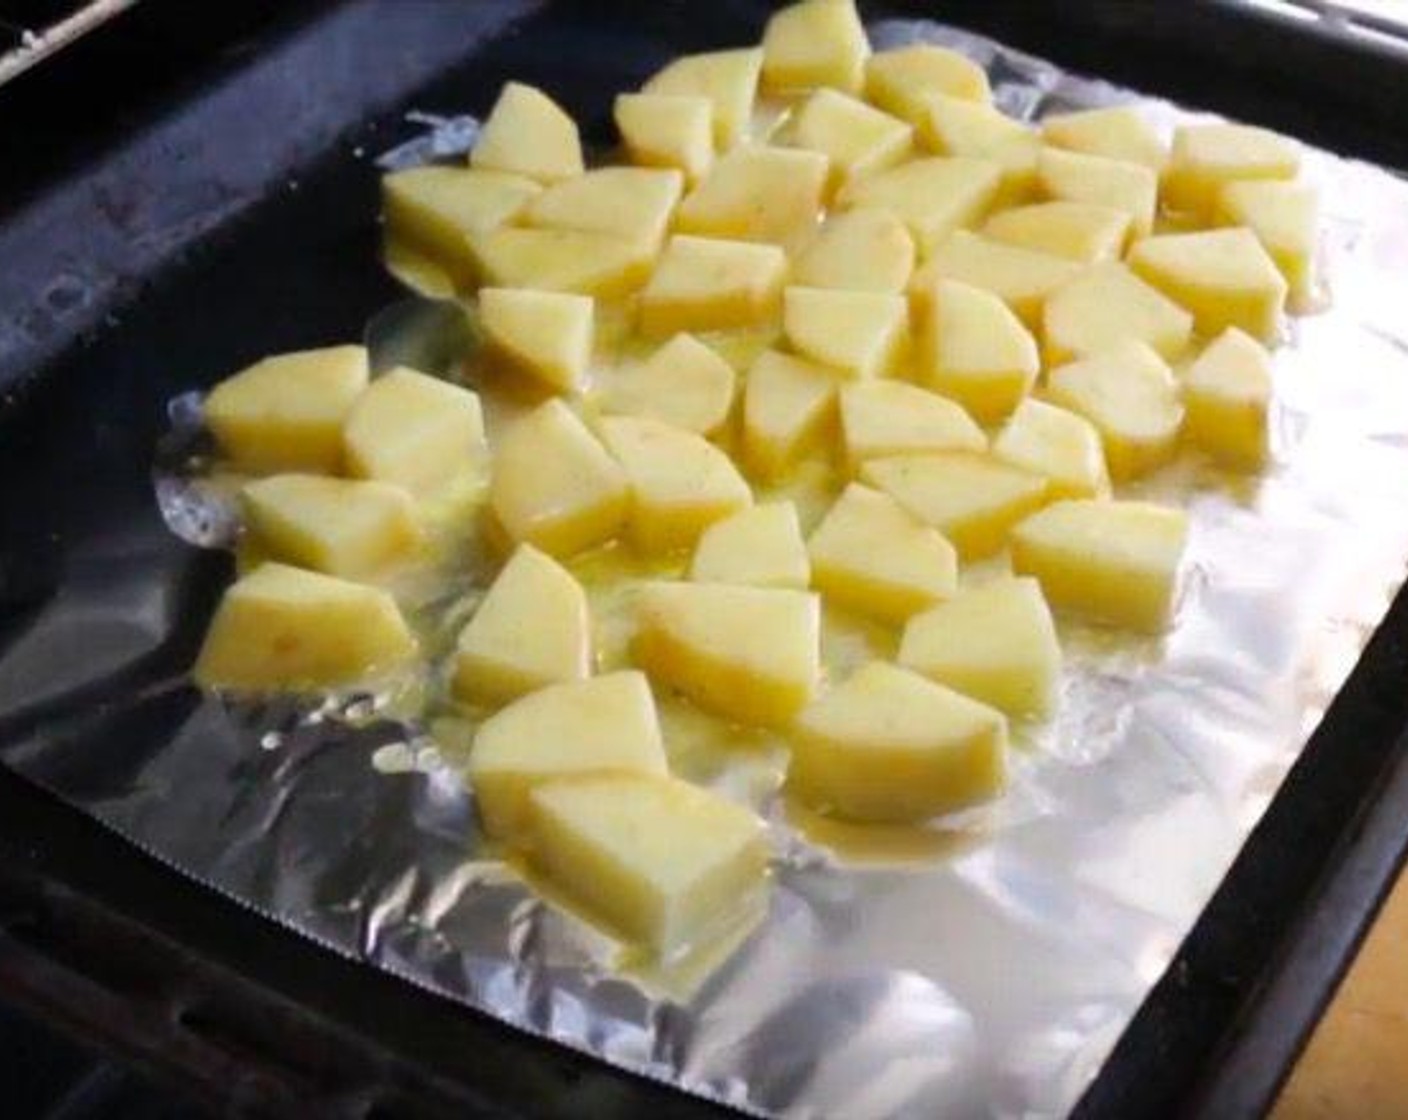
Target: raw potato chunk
{"type": "Point", "coordinates": [530, 630]}
{"type": "Point", "coordinates": [285, 413]}
{"type": "Point", "coordinates": [1060, 446]}
{"type": "Point", "coordinates": [883, 417]}
{"type": "Point", "coordinates": [417, 432]}
{"type": "Point", "coordinates": [1284, 217]}
{"type": "Point", "coordinates": [953, 126]}
{"type": "Point", "coordinates": [631, 202]}
{"type": "Point", "coordinates": [1119, 132]}
{"type": "Point", "coordinates": [1206, 157]}
{"type": "Point", "coordinates": [788, 405]}
{"type": "Point", "coordinates": [705, 284]}
{"type": "Point", "coordinates": [1115, 562]}
{"type": "Point", "coordinates": [996, 643]}
{"type": "Point", "coordinates": [870, 555]}
{"type": "Point", "coordinates": [860, 333]}
{"type": "Point", "coordinates": [683, 383]}
{"type": "Point", "coordinates": [285, 629]}
{"type": "Point", "coordinates": [527, 133]}
{"type": "Point", "coordinates": [545, 334]}
{"type": "Point", "coordinates": [561, 260]}
{"type": "Point", "coordinates": [554, 486]}
{"type": "Point", "coordinates": [1108, 304]}
{"type": "Point", "coordinates": [756, 194]}
{"type": "Point", "coordinates": [331, 525]}
{"type": "Point", "coordinates": [681, 483]}
{"type": "Point", "coordinates": [667, 130]}
{"type": "Point", "coordinates": [1226, 392]}
{"type": "Point", "coordinates": [889, 746]}
{"type": "Point", "coordinates": [975, 350]}
{"type": "Point", "coordinates": [729, 79]}
{"type": "Point", "coordinates": [971, 499]}
{"type": "Point", "coordinates": [1128, 392]}
{"type": "Point", "coordinates": [860, 250]}
{"type": "Point", "coordinates": [857, 139]}
{"type": "Point", "coordinates": [900, 80]}
{"type": "Point", "coordinates": [933, 197]}
{"type": "Point", "coordinates": [1021, 278]}
{"type": "Point", "coordinates": [664, 863]}
{"type": "Point", "coordinates": [748, 653]}
{"type": "Point", "coordinates": [603, 726]}
{"type": "Point", "coordinates": [1223, 276]}
{"type": "Point", "coordinates": [760, 546]}
{"type": "Point", "coordinates": [815, 43]}
{"type": "Point", "coordinates": [1118, 184]}
{"type": "Point", "coordinates": [1077, 231]}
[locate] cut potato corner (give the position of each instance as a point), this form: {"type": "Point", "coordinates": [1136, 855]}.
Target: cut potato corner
{"type": "Point", "coordinates": [545, 334]}
{"type": "Point", "coordinates": [604, 725]}
{"type": "Point", "coordinates": [953, 126]}
{"type": "Point", "coordinates": [561, 260]}
{"type": "Point", "coordinates": [862, 334]}
{"type": "Point", "coordinates": [1062, 447]}
{"type": "Point", "coordinates": [1226, 392]}
{"type": "Point", "coordinates": [1108, 304]}
{"type": "Point", "coordinates": [788, 406]}
{"type": "Point", "coordinates": [666, 130]}
{"type": "Point", "coordinates": [684, 383]}
{"type": "Point", "coordinates": [1022, 278]}
{"type": "Point", "coordinates": [884, 417]}
{"type": "Point", "coordinates": [1078, 231]}
{"type": "Point", "coordinates": [933, 197]}
{"type": "Point", "coordinates": [856, 138]}
{"type": "Point", "coordinates": [1206, 157]}
{"type": "Point", "coordinates": [1118, 184]}
{"type": "Point", "coordinates": [527, 133]}
{"type": "Point", "coordinates": [729, 79]}
{"type": "Point", "coordinates": [899, 80]}
{"type": "Point", "coordinates": [760, 546]}
{"type": "Point", "coordinates": [1223, 276]}
{"type": "Point", "coordinates": [706, 284]}
{"type": "Point", "coordinates": [815, 43]}
{"type": "Point", "coordinates": [888, 745]}
{"type": "Point", "coordinates": [1117, 132]}
{"type": "Point", "coordinates": [1285, 218]}
{"type": "Point", "coordinates": [756, 193]}
{"type": "Point", "coordinates": [631, 202]}
{"type": "Point", "coordinates": [859, 250]}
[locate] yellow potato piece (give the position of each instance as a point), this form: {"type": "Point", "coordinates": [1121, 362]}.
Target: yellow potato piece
{"type": "Point", "coordinates": [996, 643]}
{"type": "Point", "coordinates": [603, 726]}
{"type": "Point", "coordinates": [547, 335]}
{"type": "Point", "coordinates": [973, 500]}
{"type": "Point", "coordinates": [884, 417]}
{"type": "Point", "coordinates": [1077, 231]}
{"type": "Point", "coordinates": [756, 194]}
{"type": "Point", "coordinates": [527, 133]}
{"type": "Point", "coordinates": [815, 43]}
{"type": "Point", "coordinates": [663, 863]}
{"type": "Point", "coordinates": [1129, 393]}
{"type": "Point", "coordinates": [561, 260]}
{"type": "Point", "coordinates": [285, 629]}
{"type": "Point", "coordinates": [684, 383]}
{"type": "Point", "coordinates": [788, 406]}
{"type": "Point", "coordinates": [707, 284]}
{"type": "Point", "coordinates": [1112, 561]}
{"type": "Point", "coordinates": [1022, 278]}
{"type": "Point", "coordinates": [285, 413]}
{"type": "Point", "coordinates": [933, 197]}
{"type": "Point", "coordinates": [856, 138]}
{"type": "Point", "coordinates": [1119, 184]}
{"type": "Point", "coordinates": [729, 79]}
{"type": "Point", "coordinates": [417, 432]}
{"type": "Point", "coordinates": [871, 555]}
{"type": "Point", "coordinates": [1226, 392]}
{"type": "Point", "coordinates": [899, 80]}
{"type": "Point", "coordinates": [887, 745]}
{"type": "Point", "coordinates": [554, 486]}
{"type": "Point", "coordinates": [530, 630]}
{"type": "Point", "coordinates": [332, 525]}
{"type": "Point", "coordinates": [1285, 218]}
{"type": "Point", "coordinates": [1223, 276]}
{"type": "Point", "coordinates": [1107, 304]}
{"type": "Point", "coordinates": [859, 250]}
{"type": "Point", "coordinates": [760, 546]}
{"type": "Point", "coordinates": [1062, 447]}
{"type": "Point", "coordinates": [667, 130]}
{"type": "Point", "coordinates": [631, 202]}
{"type": "Point", "coordinates": [1206, 157]}
{"type": "Point", "coordinates": [680, 482]}
{"type": "Point", "coordinates": [862, 334]}
{"type": "Point", "coordinates": [748, 653]}
{"type": "Point", "coordinates": [1118, 132]}
{"type": "Point", "coordinates": [954, 126]}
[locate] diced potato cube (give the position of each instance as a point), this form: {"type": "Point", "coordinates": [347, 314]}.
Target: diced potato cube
{"type": "Point", "coordinates": [861, 334]}
{"type": "Point", "coordinates": [788, 405]}
{"type": "Point", "coordinates": [631, 202]}
{"type": "Point", "coordinates": [554, 486]}
{"type": "Point", "coordinates": [527, 133]}
{"type": "Point", "coordinates": [748, 653]}
{"type": "Point", "coordinates": [858, 139]}
{"type": "Point", "coordinates": [815, 43]}
{"type": "Point", "coordinates": [331, 525]}
{"type": "Point", "coordinates": [530, 630]}
{"type": "Point", "coordinates": [417, 432]}
{"type": "Point", "coordinates": [884, 417]}
{"type": "Point", "coordinates": [1223, 276]}
{"type": "Point", "coordinates": [756, 194]}
{"type": "Point", "coordinates": [971, 499]}
{"type": "Point", "coordinates": [860, 250]}
{"type": "Point", "coordinates": [1107, 304]}
{"type": "Point", "coordinates": [1021, 278]}
{"type": "Point", "coordinates": [1118, 132]}
{"type": "Point", "coordinates": [953, 126]}
{"type": "Point", "coordinates": [546, 334]}
{"type": "Point", "coordinates": [285, 413]}
{"type": "Point", "coordinates": [705, 284]}
{"type": "Point", "coordinates": [1284, 216]}
{"type": "Point", "coordinates": [760, 546]}
{"type": "Point", "coordinates": [561, 260]}
{"type": "Point", "coordinates": [899, 80]}
{"type": "Point", "coordinates": [1226, 392]}
{"type": "Point", "coordinates": [286, 629]}
{"type": "Point", "coordinates": [684, 383]}
{"type": "Point", "coordinates": [1077, 231]}
{"type": "Point", "coordinates": [870, 555]}
{"type": "Point", "coordinates": [933, 197]}
{"type": "Point", "coordinates": [1118, 184]}
{"type": "Point", "coordinates": [681, 483]}
{"type": "Point", "coordinates": [996, 643]}
{"type": "Point", "coordinates": [1060, 446]}
{"type": "Point", "coordinates": [1206, 157]}
{"type": "Point", "coordinates": [975, 350]}
{"type": "Point", "coordinates": [667, 130]}
{"type": "Point", "coordinates": [1128, 392]}
{"type": "Point", "coordinates": [729, 79]}
{"type": "Point", "coordinates": [887, 745]}
{"type": "Point", "coordinates": [583, 728]}
{"type": "Point", "coordinates": [1115, 562]}
{"type": "Point", "coordinates": [663, 863]}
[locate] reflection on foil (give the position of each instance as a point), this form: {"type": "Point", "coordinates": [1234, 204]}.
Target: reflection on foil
{"type": "Point", "coordinates": [990, 979]}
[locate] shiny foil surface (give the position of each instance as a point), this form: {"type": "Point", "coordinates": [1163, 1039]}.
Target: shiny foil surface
{"type": "Point", "coordinates": [990, 978]}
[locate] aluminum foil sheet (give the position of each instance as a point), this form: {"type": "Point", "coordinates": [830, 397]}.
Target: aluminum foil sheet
{"type": "Point", "coordinates": [989, 980]}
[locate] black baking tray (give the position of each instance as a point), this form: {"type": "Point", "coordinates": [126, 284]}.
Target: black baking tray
{"type": "Point", "coordinates": [192, 188]}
